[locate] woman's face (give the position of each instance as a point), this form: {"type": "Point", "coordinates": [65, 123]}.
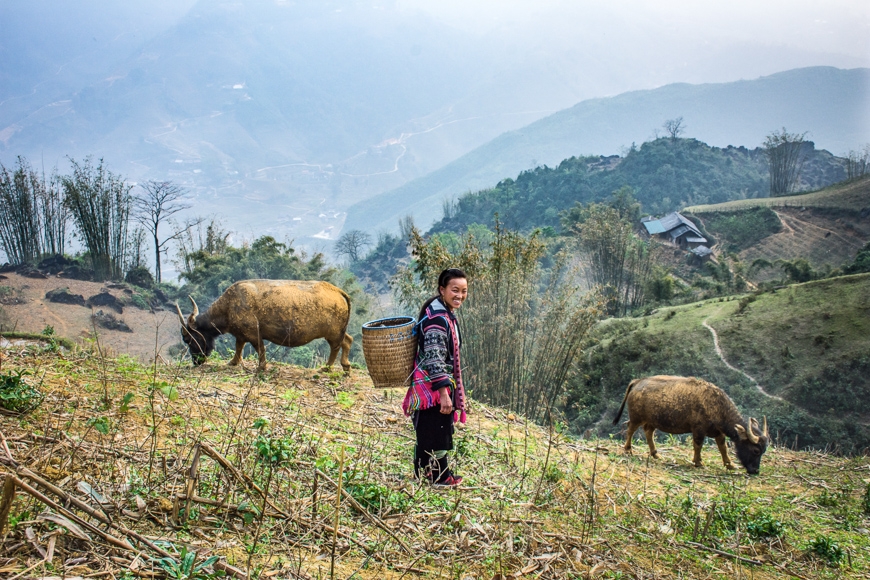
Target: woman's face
{"type": "Point", "coordinates": [454, 294]}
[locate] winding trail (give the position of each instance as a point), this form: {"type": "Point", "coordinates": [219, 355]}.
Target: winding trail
{"type": "Point", "coordinates": [732, 367]}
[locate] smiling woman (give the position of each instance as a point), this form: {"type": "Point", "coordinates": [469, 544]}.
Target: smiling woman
{"type": "Point", "coordinates": [436, 397]}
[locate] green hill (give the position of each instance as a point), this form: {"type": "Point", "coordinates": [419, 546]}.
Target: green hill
{"type": "Point", "coordinates": [827, 227]}
{"type": "Point", "coordinates": [801, 354]}
{"type": "Point", "coordinates": [830, 103]}
{"type": "Point", "coordinates": [665, 175]}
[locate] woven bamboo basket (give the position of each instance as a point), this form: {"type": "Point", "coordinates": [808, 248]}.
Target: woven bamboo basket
{"type": "Point", "coordinates": [389, 346]}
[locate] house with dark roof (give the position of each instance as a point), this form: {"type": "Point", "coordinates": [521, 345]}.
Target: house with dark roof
{"type": "Point", "coordinates": [676, 229]}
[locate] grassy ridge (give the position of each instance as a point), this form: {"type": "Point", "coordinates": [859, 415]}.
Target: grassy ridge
{"type": "Point", "coordinates": [536, 502]}
{"type": "Point", "coordinates": [807, 344]}
{"type": "Point", "coordinates": [853, 195]}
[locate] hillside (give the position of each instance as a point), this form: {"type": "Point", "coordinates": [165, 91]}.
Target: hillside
{"type": "Point", "coordinates": [831, 104]}
{"type": "Point", "coordinates": [24, 308]}
{"type": "Point", "coordinates": [797, 354]}
{"type": "Point", "coordinates": [826, 227]}
{"type": "Point", "coordinates": [664, 175]}
{"type": "Point", "coordinates": [130, 463]}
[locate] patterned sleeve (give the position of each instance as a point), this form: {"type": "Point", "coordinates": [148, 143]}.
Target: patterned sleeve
{"type": "Point", "coordinates": [435, 359]}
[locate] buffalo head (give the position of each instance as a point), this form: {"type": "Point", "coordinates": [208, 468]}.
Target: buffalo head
{"type": "Point", "coordinates": [199, 343]}
{"type": "Point", "coordinates": [751, 444]}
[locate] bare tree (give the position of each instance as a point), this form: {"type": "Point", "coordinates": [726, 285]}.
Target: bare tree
{"type": "Point", "coordinates": [100, 204]}
{"type": "Point", "coordinates": [352, 243]}
{"type": "Point", "coordinates": [159, 201]}
{"type": "Point", "coordinates": [785, 156]}
{"type": "Point", "coordinates": [674, 127]}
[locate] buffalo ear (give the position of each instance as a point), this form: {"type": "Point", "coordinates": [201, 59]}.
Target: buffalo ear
{"type": "Point", "coordinates": [747, 435]}
{"type": "Point", "coordinates": [191, 321]}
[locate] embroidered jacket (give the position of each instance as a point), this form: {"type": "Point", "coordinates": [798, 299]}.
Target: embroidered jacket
{"type": "Point", "coordinates": [437, 363]}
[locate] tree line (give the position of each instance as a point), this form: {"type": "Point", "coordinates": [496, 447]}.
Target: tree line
{"type": "Point", "coordinates": [110, 217]}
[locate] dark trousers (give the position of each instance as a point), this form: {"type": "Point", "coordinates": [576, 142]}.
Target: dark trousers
{"type": "Point", "coordinates": [434, 433]}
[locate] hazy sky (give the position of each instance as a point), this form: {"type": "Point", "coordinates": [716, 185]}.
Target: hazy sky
{"type": "Point", "coordinates": [688, 41]}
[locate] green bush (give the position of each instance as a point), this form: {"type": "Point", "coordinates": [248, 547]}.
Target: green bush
{"type": "Point", "coordinates": [15, 394]}
{"type": "Point", "coordinates": [827, 549]}
{"type": "Point", "coordinates": [765, 525]}
{"type": "Point", "coordinates": [742, 229]}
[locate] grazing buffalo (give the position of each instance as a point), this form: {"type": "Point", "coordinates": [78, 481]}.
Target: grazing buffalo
{"type": "Point", "coordinates": [285, 312]}
{"type": "Point", "coordinates": [689, 405]}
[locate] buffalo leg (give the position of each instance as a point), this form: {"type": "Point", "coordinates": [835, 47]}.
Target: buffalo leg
{"type": "Point", "coordinates": [650, 433]}
{"type": "Point", "coordinates": [698, 444]}
{"type": "Point", "coordinates": [629, 433]}
{"type": "Point", "coordinates": [345, 352]}
{"type": "Point", "coordinates": [261, 350]}
{"type": "Point", "coordinates": [333, 352]}
{"type": "Point", "coordinates": [240, 346]}
{"type": "Point", "coordinates": [723, 449]}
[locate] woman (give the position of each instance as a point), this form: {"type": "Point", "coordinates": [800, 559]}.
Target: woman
{"type": "Point", "coordinates": [436, 397]}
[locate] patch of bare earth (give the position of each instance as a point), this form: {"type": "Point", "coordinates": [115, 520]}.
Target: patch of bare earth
{"type": "Point", "coordinates": [153, 331]}
{"type": "Point", "coordinates": [822, 238]}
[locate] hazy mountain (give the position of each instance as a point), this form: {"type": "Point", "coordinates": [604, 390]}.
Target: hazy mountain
{"type": "Point", "coordinates": [277, 115]}
{"type": "Point", "coordinates": [831, 105]}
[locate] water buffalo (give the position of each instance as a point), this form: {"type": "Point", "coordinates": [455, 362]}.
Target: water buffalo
{"type": "Point", "coordinates": [689, 405]}
{"type": "Point", "coordinates": [285, 312]}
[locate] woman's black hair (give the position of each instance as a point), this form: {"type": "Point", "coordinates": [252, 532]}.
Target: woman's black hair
{"type": "Point", "coordinates": [444, 279]}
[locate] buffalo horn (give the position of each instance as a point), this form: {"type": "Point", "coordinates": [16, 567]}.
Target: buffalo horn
{"type": "Point", "coordinates": [750, 434]}
{"type": "Point", "coordinates": [180, 315]}
{"type": "Point", "coordinates": [766, 434]}
{"type": "Point", "coordinates": [192, 320]}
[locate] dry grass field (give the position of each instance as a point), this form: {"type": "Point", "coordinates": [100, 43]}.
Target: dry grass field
{"type": "Point", "coordinates": [123, 468]}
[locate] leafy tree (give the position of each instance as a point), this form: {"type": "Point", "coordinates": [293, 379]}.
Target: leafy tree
{"type": "Point", "coordinates": [785, 158]}
{"type": "Point", "coordinates": [197, 242]}
{"type": "Point", "coordinates": [212, 273]}
{"type": "Point", "coordinates": [33, 218]}
{"type": "Point", "coordinates": [797, 270]}
{"type": "Point", "coordinates": [617, 260]}
{"type": "Point", "coordinates": [352, 244]}
{"type": "Point", "coordinates": [155, 205]}
{"type": "Point", "coordinates": [861, 263]}
{"type": "Point", "coordinates": [100, 204]}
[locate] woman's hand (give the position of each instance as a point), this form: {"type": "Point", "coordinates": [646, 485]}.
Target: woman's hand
{"type": "Point", "coordinates": [446, 403]}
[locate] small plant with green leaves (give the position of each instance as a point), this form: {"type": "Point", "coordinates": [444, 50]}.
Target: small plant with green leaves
{"type": "Point", "coordinates": [764, 525]}
{"type": "Point", "coordinates": [101, 424]}
{"type": "Point", "coordinates": [15, 394]}
{"type": "Point", "coordinates": [274, 450]}
{"type": "Point", "coordinates": [187, 568]}
{"type": "Point", "coordinates": [827, 549]}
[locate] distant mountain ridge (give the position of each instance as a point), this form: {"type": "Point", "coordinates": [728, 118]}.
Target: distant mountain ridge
{"type": "Point", "coordinates": [831, 105]}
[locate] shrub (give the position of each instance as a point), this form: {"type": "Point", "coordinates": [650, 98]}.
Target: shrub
{"type": "Point", "coordinates": [826, 548]}
{"type": "Point", "coordinates": [15, 394]}
{"type": "Point", "coordinates": [764, 525]}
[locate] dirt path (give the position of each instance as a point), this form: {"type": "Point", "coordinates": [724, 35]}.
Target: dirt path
{"type": "Point", "coordinates": [732, 367]}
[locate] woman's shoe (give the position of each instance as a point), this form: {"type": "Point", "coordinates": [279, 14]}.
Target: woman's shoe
{"type": "Point", "coordinates": [449, 481]}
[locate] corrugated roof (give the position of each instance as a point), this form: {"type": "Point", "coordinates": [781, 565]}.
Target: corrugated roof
{"type": "Point", "coordinates": [669, 222]}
